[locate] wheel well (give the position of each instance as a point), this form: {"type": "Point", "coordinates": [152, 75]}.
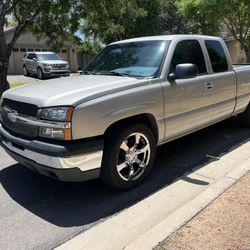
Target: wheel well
{"type": "Point", "coordinates": [145, 119]}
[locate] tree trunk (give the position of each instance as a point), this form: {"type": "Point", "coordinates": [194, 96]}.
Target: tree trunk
{"type": "Point", "coordinates": [4, 63]}
{"type": "Point", "coordinates": [247, 52]}
{"type": "Point", "coordinates": [4, 84]}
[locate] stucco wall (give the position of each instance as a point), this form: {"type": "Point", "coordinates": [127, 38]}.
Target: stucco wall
{"type": "Point", "coordinates": [237, 54]}
{"type": "Point", "coordinates": [28, 42]}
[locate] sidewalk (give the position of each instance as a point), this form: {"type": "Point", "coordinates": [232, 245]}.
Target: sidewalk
{"type": "Point", "coordinates": [224, 224]}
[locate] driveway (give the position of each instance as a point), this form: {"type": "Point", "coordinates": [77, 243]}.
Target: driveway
{"type": "Point", "coordinates": [20, 79]}
{"type": "Point", "coordinates": [39, 212]}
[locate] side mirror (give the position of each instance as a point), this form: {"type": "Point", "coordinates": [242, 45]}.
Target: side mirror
{"type": "Point", "coordinates": [184, 71]}
{"type": "Point", "coordinates": [34, 59]}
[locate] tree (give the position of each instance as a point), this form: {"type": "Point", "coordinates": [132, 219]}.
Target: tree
{"type": "Point", "coordinates": [90, 46]}
{"type": "Point", "coordinates": [121, 19]}
{"type": "Point", "coordinates": [109, 20]}
{"type": "Point", "coordinates": [212, 14]}
{"type": "Point", "coordinates": [174, 22]}
{"type": "Point", "coordinates": [44, 17]}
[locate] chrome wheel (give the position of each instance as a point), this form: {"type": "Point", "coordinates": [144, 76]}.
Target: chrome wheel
{"type": "Point", "coordinates": [134, 156]}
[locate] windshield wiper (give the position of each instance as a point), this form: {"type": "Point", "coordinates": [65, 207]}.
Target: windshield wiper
{"type": "Point", "coordinates": [86, 72]}
{"type": "Point", "coordinates": [115, 73]}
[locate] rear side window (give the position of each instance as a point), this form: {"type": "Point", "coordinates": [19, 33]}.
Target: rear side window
{"type": "Point", "coordinates": [217, 56]}
{"type": "Point", "coordinates": [189, 51]}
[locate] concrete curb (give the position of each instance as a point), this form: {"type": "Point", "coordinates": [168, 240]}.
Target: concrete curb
{"type": "Point", "coordinates": [150, 221]}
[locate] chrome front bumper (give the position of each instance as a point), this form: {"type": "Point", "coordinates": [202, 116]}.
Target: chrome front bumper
{"type": "Point", "coordinates": [87, 161]}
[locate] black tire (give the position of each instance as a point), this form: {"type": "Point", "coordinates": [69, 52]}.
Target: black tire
{"type": "Point", "coordinates": [245, 117]}
{"type": "Point", "coordinates": [25, 71]}
{"type": "Point", "coordinates": [40, 74]}
{"type": "Point", "coordinates": [114, 155]}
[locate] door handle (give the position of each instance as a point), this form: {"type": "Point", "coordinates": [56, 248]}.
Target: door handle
{"type": "Point", "coordinates": [209, 85]}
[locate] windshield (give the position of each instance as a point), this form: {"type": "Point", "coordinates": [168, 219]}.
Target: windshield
{"type": "Point", "coordinates": [48, 57]}
{"type": "Point", "coordinates": [136, 59]}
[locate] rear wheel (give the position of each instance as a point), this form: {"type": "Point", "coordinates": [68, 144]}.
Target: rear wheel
{"type": "Point", "coordinates": [25, 71]}
{"type": "Point", "coordinates": [245, 117]}
{"type": "Point", "coordinates": [129, 156]}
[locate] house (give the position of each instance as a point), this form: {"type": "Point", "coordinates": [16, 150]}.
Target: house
{"type": "Point", "coordinates": [237, 54]}
{"type": "Point", "coordinates": [28, 42]}
{"type": "Point", "coordinates": [235, 50]}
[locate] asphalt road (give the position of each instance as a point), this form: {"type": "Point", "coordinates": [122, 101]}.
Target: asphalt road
{"type": "Point", "coordinates": [37, 212]}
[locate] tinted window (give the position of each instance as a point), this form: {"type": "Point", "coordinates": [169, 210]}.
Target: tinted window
{"type": "Point", "coordinates": [189, 51]}
{"type": "Point", "coordinates": [217, 56]}
{"type": "Point", "coordinates": [138, 59]}
{"type": "Point", "coordinates": [31, 56]}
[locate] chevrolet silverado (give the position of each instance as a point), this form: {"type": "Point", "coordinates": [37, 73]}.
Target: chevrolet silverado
{"type": "Point", "coordinates": [134, 96]}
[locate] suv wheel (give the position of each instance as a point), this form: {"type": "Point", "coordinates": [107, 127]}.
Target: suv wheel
{"type": "Point", "coordinates": [40, 74]}
{"type": "Point", "coordinates": [25, 71]}
{"type": "Point", "coordinates": [129, 156]}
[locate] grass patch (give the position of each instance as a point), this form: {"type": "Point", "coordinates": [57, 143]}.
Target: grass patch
{"type": "Point", "coordinates": [16, 84]}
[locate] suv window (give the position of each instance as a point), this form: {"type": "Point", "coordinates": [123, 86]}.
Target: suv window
{"type": "Point", "coordinates": [189, 51]}
{"type": "Point", "coordinates": [217, 55]}
{"type": "Point", "coordinates": [31, 56]}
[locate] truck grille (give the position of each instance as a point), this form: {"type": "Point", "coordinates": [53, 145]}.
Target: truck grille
{"type": "Point", "coordinates": [59, 66]}
{"type": "Point", "coordinates": [21, 107]}
{"type": "Point", "coordinates": [16, 126]}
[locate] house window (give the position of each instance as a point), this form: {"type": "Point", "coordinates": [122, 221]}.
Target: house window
{"type": "Point", "coordinates": [44, 49]}
{"type": "Point", "coordinates": [30, 49]}
{"type": "Point", "coordinates": [64, 51]}
{"type": "Point", "coordinates": [22, 50]}
{"type": "Point", "coordinates": [15, 50]}
{"type": "Point", "coordinates": [37, 49]}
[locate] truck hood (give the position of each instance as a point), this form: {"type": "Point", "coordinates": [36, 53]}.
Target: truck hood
{"type": "Point", "coordinates": [72, 90]}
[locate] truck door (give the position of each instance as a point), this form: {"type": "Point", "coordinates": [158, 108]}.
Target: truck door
{"type": "Point", "coordinates": [223, 81]}
{"type": "Point", "coordinates": [188, 102]}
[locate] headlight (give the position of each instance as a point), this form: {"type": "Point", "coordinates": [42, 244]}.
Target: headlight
{"type": "Point", "coordinates": [57, 114]}
{"type": "Point", "coordinates": [47, 65]}
{"type": "Point", "coordinates": [59, 126]}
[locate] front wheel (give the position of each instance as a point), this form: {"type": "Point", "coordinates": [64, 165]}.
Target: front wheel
{"type": "Point", "coordinates": [40, 74]}
{"type": "Point", "coordinates": [129, 155]}
{"type": "Point", "coordinates": [245, 117]}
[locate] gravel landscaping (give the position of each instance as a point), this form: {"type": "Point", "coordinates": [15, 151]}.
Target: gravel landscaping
{"type": "Point", "coordinates": [224, 224]}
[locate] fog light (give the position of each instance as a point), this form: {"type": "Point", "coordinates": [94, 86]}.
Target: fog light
{"type": "Point", "coordinates": [55, 133]}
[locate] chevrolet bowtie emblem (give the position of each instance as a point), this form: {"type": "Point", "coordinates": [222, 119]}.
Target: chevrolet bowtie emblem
{"type": "Point", "coordinates": [12, 116]}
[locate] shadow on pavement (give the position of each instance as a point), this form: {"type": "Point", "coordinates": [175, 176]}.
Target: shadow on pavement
{"type": "Point", "coordinates": [78, 204]}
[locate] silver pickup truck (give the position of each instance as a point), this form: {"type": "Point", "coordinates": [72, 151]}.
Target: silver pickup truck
{"type": "Point", "coordinates": [135, 95]}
